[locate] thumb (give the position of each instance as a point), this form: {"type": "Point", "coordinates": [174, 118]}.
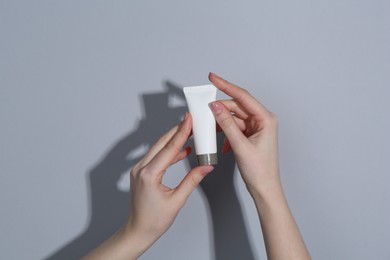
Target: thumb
{"type": "Point", "coordinates": [191, 181]}
{"type": "Point", "coordinates": [228, 125]}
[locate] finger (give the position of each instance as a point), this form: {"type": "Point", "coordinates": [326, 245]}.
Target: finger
{"type": "Point", "coordinates": [191, 181]}
{"type": "Point", "coordinates": [235, 108]}
{"type": "Point", "coordinates": [182, 154]}
{"type": "Point", "coordinates": [229, 126]}
{"type": "Point", "coordinates": [162, 141]}
{"type": "Point", "coordinates": [240, 123]}
{"type": "Point", "coordinates": [249, 103]}
{"type": "Point", "coordinates": [168, 153]}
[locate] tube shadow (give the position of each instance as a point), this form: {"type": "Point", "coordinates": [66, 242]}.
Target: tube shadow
{"type": "Point", "coordinates": [109, 205]}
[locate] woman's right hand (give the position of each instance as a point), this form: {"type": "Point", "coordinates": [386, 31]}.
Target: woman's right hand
{"type": "Point", "coordinates": [252, 133]}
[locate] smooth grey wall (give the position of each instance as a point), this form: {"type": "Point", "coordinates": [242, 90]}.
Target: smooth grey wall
{"type": "Point", "coordinates": [87, 86]}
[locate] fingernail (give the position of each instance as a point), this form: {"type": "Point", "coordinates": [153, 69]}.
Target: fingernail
{"type": "Point", "coordinates": [212, 74]}
{"type": "Point", "coordinates": [216, 107]}
{"type": "Point", "coordinates": [207, 169]}
{"type": "Point", "coordinates": [225, 147]}
{"type": "Point", "coordinates": [186, 115]}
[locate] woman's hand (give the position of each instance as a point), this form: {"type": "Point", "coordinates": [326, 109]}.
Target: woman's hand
{"type": "Point", "coordinates": [251, 132]}
{"type": "Point", "coordinates": [153, 206]}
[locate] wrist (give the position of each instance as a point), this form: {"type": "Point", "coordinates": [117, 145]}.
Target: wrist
{"type": "Point", "coordinates": [124, 244]}
{"type": "Point", "coordinates": [136, 240]}
{"type": "Point", "coordinates": [268, 192]}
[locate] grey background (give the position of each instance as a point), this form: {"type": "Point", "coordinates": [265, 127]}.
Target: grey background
{"type": "Point", "coordinates": [87, 86]}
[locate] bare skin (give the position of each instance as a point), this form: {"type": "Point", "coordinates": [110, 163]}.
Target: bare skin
{"type": "Point", "coordinates": [154, 205]}
{"type": "Point", "coordinates": [252, 134]}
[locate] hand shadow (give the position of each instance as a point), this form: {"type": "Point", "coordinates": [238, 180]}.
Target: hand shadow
{"type": "Point", "coordinates": [109, 206]}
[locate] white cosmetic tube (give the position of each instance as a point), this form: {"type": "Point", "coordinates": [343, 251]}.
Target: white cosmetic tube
{"type": "Point", "coordinates": [203, 122]}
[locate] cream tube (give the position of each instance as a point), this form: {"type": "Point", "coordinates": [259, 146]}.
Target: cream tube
{"type": "Point", "coordinates": [203, 122]}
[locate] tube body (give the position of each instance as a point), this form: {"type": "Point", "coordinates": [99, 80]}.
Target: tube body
{"type": "Point", "coordinates": [203, 122]}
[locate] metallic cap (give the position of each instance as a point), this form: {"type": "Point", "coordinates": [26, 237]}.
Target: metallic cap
{"type": "Point", "coordinates": [207, 159]}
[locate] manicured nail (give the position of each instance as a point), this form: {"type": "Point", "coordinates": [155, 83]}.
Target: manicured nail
{"type": "Point", "coordinates": [216, 107]}
{"type": "Point", "coordinates": [225, 146]}
{"type": "Point", "coordinates": [207, 169]}
{"type": "Point", "coordinates": [212, 74]}
{"type": "Point", "coordinates": [186, 116]}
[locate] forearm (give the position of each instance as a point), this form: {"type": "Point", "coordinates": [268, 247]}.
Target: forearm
{"type": "Point", "coordinates": [124, 244]}
{"type": "Point", "coordinates": [280, 231]}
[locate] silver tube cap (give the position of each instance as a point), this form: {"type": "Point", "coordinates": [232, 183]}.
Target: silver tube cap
{"type": "Point", "coordinates": [207, 159]}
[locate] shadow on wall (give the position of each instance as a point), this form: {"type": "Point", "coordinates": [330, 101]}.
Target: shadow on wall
{"type": "Point", "coordinates": [109, 205]}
